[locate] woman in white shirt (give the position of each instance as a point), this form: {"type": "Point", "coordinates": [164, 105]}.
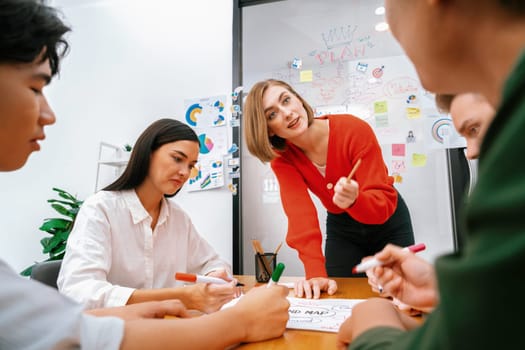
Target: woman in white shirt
{"type": "Point", "coordinates": [129, 239]}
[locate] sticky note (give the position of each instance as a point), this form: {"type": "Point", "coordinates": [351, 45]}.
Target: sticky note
{"type": "Point", "coordinates": [306, 76]}
{"type": "Point", "coordinates": [397, 178]}
{"type": "Point", "coordinates": [297, 63]}
{"type": "Point", "coordinates": [381, 120]}
{"type": "Point", "coordinates": [361, 67]}
{"type": "Point", "coordinates": [398, 166]}
{"type": "Point", "coordinates": [232, 188]}
{"type": "Point", "coordinates": [411, 99]}
{"type": "Point", "coordinates": [413, 112]}
{"type": "Point", "coordinates": [380, 107]}
{"type": "Point", "coordinates": [398, 149]}
{"type": "Point", "coordinates": [419, 160]}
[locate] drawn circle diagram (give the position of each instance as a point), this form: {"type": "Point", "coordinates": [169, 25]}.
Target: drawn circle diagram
{"type": "Point", "coordinates": [220, 118]}
{"type": "Point", "coordinates": [441, 129]}
{"type": "Point", "coordinates": [206, 144]}
{"type": "Point", "coordinates": [192, 112]}
{"type": "Point", "coordinates": [219, 105]}
{"type": "Point", "coordinates": [378, 72]}
{"type": "Point", "coordinates": [195, 174]}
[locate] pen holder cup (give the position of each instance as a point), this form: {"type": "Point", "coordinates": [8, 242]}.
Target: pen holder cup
{"type": "Point", "coordinates": [264, 266]}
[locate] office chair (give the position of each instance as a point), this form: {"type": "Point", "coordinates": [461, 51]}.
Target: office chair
{"type": "Point", "coordinates": [47, 272]}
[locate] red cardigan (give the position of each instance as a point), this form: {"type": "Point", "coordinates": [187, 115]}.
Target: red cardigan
{"type": "Point", "coordinates": [350, 138]}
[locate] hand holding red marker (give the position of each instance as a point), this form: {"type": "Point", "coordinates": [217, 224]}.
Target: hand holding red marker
{"type": "Point", "coordinates": [371, 263]}
{"type": "Point", "coordinates": [190, 277]}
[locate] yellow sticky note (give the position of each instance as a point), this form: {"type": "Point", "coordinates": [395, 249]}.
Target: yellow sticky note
{"type": "Point", "coordinates": [419, 160]}
{"type": "Point", "coordinates": [413, 112]}
{"type": "Point", "coordinates": [380, 107]}
{"type": "Point", "coordinates": [397, 178]}
{"type": "Point", "coordinates": [306, 75]}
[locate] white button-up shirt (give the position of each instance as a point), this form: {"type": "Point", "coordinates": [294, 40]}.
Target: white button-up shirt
{"type": "Point", "coordinates": [112, 250]}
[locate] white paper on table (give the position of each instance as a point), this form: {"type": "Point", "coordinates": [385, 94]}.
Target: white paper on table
{"type": "Point", "coordinates": [324, 315]}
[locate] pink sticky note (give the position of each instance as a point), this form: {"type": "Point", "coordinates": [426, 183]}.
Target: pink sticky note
{"type": "Point", "coordinates": [398, 149]}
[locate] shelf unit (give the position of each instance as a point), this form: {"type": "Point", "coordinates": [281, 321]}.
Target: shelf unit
{"type": "Point", "coordinates": [112, 156]}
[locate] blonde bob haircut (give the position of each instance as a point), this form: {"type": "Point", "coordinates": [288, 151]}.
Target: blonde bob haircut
{"type": "Point", "coordinates": [255, 123]}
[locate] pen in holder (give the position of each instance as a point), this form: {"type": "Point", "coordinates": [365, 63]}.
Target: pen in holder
{"type": "Point", "coordinates": [264, 266]}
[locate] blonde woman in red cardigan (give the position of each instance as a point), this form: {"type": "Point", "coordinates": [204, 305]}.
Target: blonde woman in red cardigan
{"type": "Point", "coordinates": [317, 154]}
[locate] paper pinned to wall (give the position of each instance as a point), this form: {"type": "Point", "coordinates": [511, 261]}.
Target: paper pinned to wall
{"type": "Point", "coordinates": [207, 116]}
{"type": "Point", "coordinates": [206, 112]}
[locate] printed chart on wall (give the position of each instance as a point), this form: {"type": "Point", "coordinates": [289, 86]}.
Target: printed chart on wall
{"type": "Point", "coordinates": [207, 116]}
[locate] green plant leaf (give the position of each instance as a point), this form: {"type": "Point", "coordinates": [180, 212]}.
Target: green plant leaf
{"type": "Point", "coordinates": [74, 211]}
{"type": "Point", "coordinates": [59, 208]}
{"type": "Point", "coordinates": [45, 242]}
{"type": "Point", "coordinates": [70, 204]}
{"type": "Point", "coordinates": [59, 228]}
{"type": "Point", "coordinates": [27, 271]}
{"type": "Point", "coordinates": [55, 241]}
{"type": "Point", "coordinates": [58, 250]}
{"type": "Point", "coordinates": [58, 256]}
{"type": "Point", "coordinates": [64, 194]}
{"type": "Point", "coordinates": [63, 235]}
{"type": "Point", "coordinates": [55, 224]}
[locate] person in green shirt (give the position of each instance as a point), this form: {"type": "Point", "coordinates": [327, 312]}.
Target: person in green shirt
{"type": "Point", "coordinates": [465, 46]}
{"type": "Point", "coordinates": [409, 279]}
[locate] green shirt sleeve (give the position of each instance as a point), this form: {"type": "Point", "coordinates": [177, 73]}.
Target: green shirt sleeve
{"type": "Point", "coordinates": [376, 339]}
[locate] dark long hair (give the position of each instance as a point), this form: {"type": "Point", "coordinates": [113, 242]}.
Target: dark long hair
{"type": "Point", "coordinates": [157, 134]}
{"type": "Point", "coordinates": [26, 28]}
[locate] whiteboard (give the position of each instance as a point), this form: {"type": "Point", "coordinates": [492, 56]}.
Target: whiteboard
{"type": "Point", "coordinates": [331, 54]}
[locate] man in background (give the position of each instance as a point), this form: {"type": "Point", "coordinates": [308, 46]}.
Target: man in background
{"type": "Point", "coordinates": [471, 114]}
{"type": "Point", "coordinates": [478, 307]}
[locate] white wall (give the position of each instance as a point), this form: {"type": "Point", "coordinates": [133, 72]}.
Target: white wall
{"type": "Point", "coordinates": [131, 62]}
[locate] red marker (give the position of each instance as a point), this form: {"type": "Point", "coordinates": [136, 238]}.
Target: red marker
{"type": "Point", "coordinates": [193, 278]}
{"type": "Point", "coordinates": [371, 263]}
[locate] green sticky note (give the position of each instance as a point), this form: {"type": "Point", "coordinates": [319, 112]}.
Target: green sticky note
{"type": "Point", "coordinates": [381, 120]}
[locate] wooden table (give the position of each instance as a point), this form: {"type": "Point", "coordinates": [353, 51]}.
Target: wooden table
{"type": "Point", "coordinates": [348, 288]}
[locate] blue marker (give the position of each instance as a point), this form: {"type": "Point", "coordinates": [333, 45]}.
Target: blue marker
{"type": "Point", "coordinates": [276, 275]}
